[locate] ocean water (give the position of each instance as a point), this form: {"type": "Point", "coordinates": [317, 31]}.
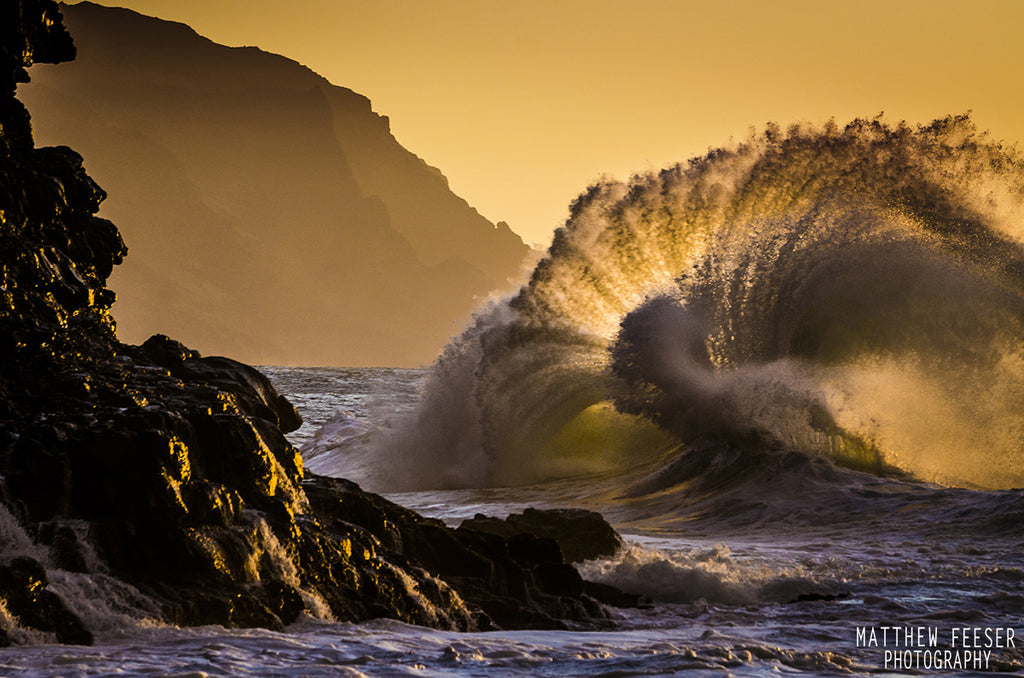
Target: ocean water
{"type": "Point", "coordinates": [790, 373]}
{"type": "Point", "coordinates": [735, 587]}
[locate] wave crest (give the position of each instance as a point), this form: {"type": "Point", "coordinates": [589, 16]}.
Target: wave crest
{"type": "Point", "coordinates": [855, 292]}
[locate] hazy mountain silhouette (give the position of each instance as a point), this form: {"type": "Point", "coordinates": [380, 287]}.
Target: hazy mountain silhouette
{"type": "Point", "coordinates": [268, 214]}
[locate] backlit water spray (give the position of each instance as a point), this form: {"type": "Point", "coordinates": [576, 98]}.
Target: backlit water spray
{"type": "Point", "coordinates": [853, 292]}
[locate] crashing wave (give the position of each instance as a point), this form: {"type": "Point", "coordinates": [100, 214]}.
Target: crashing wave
{"type": "Point", "coordinates": [853, 292]}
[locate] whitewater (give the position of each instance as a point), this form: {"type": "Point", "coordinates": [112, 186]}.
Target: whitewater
{"type": "Point", "coordinates": [791, 374]}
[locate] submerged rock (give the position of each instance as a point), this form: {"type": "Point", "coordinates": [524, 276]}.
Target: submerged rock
{"type": "Point", "coordinates": [580, 534]}
{"type": "Point", "coordinates": [169, 472]}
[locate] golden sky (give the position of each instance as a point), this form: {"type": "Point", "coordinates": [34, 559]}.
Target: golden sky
{"type": "Point", "coordinates": [523, 103]}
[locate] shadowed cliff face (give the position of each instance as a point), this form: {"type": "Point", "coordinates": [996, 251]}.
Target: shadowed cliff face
{"type": "Point", "coordinates": [271, 215]}
{"type": "Point", "coordinates": [50, 237]}
{"type": "Point", "coordinates": [147, 484]}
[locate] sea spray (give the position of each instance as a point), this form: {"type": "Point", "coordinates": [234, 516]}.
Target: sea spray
{"type": "Point", "coordinates": [711, 574]}
{"type": "Point", "coordinates": [788, 291]}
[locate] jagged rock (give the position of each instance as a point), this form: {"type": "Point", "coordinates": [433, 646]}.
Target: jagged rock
{"type": "Point", "coordinates": [581, 535]}
{"type": "Point", "coordinates": [167, 352]}
{"type": "Point", "coordinates": [522, 582]}
{"type": "Point", "coordinates": [23, 588]}
{"type": "Point", "coordinates": [170, 471]}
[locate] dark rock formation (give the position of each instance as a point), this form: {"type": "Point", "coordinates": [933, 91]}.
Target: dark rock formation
{"type": "Point", "coordinates": [581, 535]}
{"type": "Point", "coordinates": [512, 583]}
{"type": "Point", "coordinates": [23, 589]}
{"type": "Point", "coordinates": [169, 471]}
{"type": "Point", "coordinates": [277, 220]}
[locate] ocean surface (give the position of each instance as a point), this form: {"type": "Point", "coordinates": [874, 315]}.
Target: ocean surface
{"type": "Point", "coordinates": [780, 582]}
{"type": "Point", "coordinates": [790, 373]}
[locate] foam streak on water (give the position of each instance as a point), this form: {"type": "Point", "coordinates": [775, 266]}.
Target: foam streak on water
{"type": "Point", "coordinates": [755, 607]}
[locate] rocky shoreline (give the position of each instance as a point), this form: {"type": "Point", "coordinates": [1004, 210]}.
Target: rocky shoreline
{"type": "Point", "coordinates": [170, 471]}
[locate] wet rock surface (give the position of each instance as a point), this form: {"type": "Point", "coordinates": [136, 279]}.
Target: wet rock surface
{"type": "Point", "coordinates": [580, 534]}
{"type": "Point", "coordinates": [169, 471]}
{"type": "Point", "coordinates": [23, 587]}
{"type": "Point", "coordinates": [522, 582]}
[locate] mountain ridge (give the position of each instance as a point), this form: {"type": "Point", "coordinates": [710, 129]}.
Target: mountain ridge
{"type": "Point", "coordinates": [269, 214]}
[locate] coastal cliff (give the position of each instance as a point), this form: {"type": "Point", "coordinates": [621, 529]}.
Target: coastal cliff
{"type": "Point", "coordinates": [272, 215]}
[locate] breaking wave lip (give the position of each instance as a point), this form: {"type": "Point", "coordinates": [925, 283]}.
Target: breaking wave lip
{"type": "Point", "coordinates": [848, 293]}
